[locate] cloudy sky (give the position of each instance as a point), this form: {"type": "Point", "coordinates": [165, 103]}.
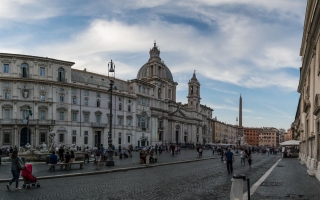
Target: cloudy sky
{"type": "Point", "coordinates": [247, 47]}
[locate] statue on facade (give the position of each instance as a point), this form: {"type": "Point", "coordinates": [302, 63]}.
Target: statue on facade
{"type": "Point", "coordinates": [25, 92]}
{"type": "Point", "coordinates": [51, 141]}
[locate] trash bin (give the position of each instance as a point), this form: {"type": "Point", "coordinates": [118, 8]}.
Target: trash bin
{"type": "Point", "coordinates": [236, 192]}
{"type": "Point", "coordinates": [47, 159]}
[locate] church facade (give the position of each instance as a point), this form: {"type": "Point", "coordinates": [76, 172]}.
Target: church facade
{"type": "Point", "coordinates": [74, 104]}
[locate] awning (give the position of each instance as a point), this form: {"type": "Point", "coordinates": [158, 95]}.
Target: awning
{"type": "Point", "coordinates": [290, 143]}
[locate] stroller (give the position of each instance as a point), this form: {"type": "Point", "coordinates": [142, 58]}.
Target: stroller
{"type": "Point", "coordinates": [28, 178]}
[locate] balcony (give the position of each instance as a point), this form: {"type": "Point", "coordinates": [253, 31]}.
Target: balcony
{"type": "Point", "coordinates": [143, 138]}
{"type": "Point", "coordinates": [98, 125]}
{"type": "Point", "coordinates": [24, 122]}
{"type": "Point", "coordinates": [23, 75]}
{"type": "Point", "coordinates": [63, 80]}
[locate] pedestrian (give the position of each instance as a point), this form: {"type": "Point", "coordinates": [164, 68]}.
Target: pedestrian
{"type": "Point", "coordinates": [222, 154]}
{"type": "Point", "coordinates": [98, 157]}
{"type": "Point", "coordinates": [86, 155]}
{"type": "Point", "coordinates": [14, 170]}
{"type": "Point", "coordinates": [250, 161]}
{"type": "Point", "coordinates": [156, 149]}
{"type": "Point", "coordinates": [61, 152]}
{"type": "Point", "coordinates": [229, 158]}
{"type": "Point", "coordinates": [243, 155]}
{"type": "Point", "coordinates": [0, 155]}
{"type": "Point", "coordinates": [200, 152]}
{"type": "Point", "coordinates": [212, 150]}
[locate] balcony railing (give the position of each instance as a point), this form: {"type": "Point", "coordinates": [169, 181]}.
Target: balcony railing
{"type": "Point", "coordinates": [21, 75]}
{"type": "Point", "coordinates": [23, 121]}
{"type": "Point", "coordinates": [143, 138]}
{"type": "Point", "coordinates": [64, 80]}
{"type": "Point", "coordinates": [98, 124]}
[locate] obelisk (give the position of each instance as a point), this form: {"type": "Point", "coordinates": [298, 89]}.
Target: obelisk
{"type": "Point", "coordinates": [240, 131]}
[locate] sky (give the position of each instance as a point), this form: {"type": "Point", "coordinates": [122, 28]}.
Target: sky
{"type": "Point", "coordinates": [237, 47]}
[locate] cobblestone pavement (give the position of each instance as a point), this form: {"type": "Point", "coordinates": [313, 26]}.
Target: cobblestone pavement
{"type": "Point", "coordinates": [207, 179]}
{"type": "Point", "coordinates": [288, 180]}
{"type": "Point", "coordinates": [41, 169]}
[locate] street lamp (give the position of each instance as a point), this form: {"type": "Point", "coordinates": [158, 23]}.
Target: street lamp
{"type": "Point", "coordinates": [109, 161]}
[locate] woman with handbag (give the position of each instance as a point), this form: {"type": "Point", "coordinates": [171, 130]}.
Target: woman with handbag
{"type": "Point", "coordinates": [16, 165]}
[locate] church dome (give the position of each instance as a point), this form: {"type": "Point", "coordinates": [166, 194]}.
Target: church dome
{"type": "Point", "coordinates": [154, 66]}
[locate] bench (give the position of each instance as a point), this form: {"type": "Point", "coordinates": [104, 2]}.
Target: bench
{"type": "Point", "coordinates": [67, 166]}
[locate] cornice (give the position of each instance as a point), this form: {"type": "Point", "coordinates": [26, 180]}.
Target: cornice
{"type": "Point", "coordinates": [35, 58]}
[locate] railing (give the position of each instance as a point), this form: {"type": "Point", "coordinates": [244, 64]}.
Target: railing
{"type": "Point", "coordinates": [24, 121]}
{"type": "Point", "coordinates": [21, 75]}
{"type": "Point", "coordinates": [144, 138]}
{"type": "Point", "coordinates": [64, 80]}
{"type": "Point", "coordinates": [98, 124]}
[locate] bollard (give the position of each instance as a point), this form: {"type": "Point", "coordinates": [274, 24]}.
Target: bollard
{"type": "Point", "coordinates": [248, 186]}
{"type": "Point", "coordinates": [236, 192]}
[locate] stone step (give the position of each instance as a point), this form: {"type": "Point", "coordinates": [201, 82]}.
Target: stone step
{"type": "Point", "coordinates": [311, 172]}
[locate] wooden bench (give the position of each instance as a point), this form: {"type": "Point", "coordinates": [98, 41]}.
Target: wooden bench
{"type": "Point", "coordinates": [67, 166]}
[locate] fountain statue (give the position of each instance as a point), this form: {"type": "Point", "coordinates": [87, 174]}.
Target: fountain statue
{"type": "Point", "coordinates": [51, 141]}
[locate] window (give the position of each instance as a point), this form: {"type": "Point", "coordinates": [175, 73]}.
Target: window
{"type": "Point", "coordinates": [119, 121]}
{"type": "Point", "coordinates": [108, 119]}
{"type": "Point", "coordinates": [129, 139]}
{"type": "Point", "coordinates": [74, 117]}
{"type": "Point", "coordinates": [6, 85]}
{"type": "Point", "coordinates": [61, 90]}
{"type": "Point", "coordinates": [143, 90]}
{"type": "Point", "coordinates": [119, 138]}
{"type": "Point", "coordinates": [6, 68]}
{"type": "Point", "coordinates": [42, 115]}
{"type": "Point", "coordinates": [120, 106]}
{"type": "Point", "coordinates": [61, 98]}
{"type": "Point", "coordinates": [129, 108]}
{"type": "Point", "coordinates": [6, 138]}
{"type": "Point", "coordinates": [86, 117]}
{"type": "Point", "coordinates": [143, 122]}
{"type": "Point", "coordinates": [86, 93]}
{"type": "Point", "coordinates": [98, 118]}
{"type": "Point", "coordinates": [86, 137]}
{"type": "Point", "coordinates": [61, 137]}
{"type": "Point", "coordinates": [6, 95]}
{"type": "Point", "coordinates": [42, 71]}
{"type": "Point", "coordinates": [74, 91]}
{"type": "Point", "coordinates": [129, 121]}
{"type": "Point", "coordinates": [24, 70]}
{"type": "Point", "coordinates": [61, 115]}
{"type": "Point", "coordinates": [43, 137]}
{"type": "Point", "coordinates": [74, 100]}
{"type": "Point", "coordinates": [61, 75]}
{"type": "Point", "coordinates": [6, 114]}
{"type": "Point", "coordinates": [42, 98]}
{"type": "Point", "coordinates": [86, 101]}
{"type": "Point", "coordinates": [98, 95]}
{"type": "Point", "coordinates": [98, 103]}
{"type": "Point", "coordinates": [41, 87]}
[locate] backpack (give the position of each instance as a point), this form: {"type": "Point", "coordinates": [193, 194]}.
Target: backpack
{"type": "Point", "coordinates": [98, 152]}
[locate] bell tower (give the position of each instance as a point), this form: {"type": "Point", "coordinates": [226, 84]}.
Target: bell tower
{"type": "Point", "coordinates": [194, 93]}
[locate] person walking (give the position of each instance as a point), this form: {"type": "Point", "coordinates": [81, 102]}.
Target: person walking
{"type": "Point", "coordinates": [14, 170]}
{"type": "Point", "coordinates": [229, 158]}
{"type": "Point", "coordinates": [243, 157]}
{"type": "Point", "coordinates": [250, 160]}
{"type": "Point", "coordinates": [86, 155]}
{"type": "Point", "coordinates": [222, 154]}
{"type": "Point", "coordinates": [98, 157]}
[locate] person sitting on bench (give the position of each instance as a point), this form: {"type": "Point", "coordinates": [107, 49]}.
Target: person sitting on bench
{"type": "Point", "coordinates": [67, 157]}
{"type": "Point", "coordinates": [53, 159]}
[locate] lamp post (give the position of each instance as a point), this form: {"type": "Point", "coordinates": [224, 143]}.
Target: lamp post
{"type": "Point", "coordinates": [109, 161]}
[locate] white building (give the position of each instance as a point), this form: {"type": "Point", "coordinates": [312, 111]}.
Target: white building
{"type": "Point", "coordinates": [75, 105]}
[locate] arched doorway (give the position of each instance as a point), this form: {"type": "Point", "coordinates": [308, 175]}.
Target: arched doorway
{"type": "Point", "coordinates": [25, 136]}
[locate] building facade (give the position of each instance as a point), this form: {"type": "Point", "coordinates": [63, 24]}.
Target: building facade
{"type": "Point", "coordinates": [288, 135]}
{"type": "Point", "coordinates": [75, 104]}
{"type": "Point", "coordinates": [252, 135]}
{"type": "Point", "coordinates": [223, 133]}
{"type": "Point", "coordinates": [269, 136]}
{"type": "Point", "coordinates": [306, 126]}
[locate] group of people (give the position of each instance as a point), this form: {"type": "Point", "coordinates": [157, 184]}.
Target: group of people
{"type": "Point", "coordinates": [228, 157]}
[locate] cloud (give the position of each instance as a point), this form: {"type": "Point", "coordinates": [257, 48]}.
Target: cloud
{"type": "Point", "coordinates": [229, 101]}
{"type": "Point", "coordinates": [237, 48]}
